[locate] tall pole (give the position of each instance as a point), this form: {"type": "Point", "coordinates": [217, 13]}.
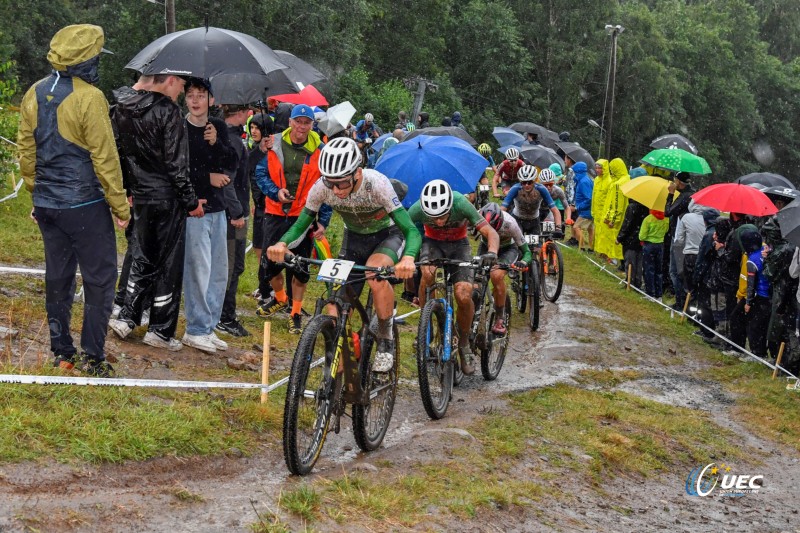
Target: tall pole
{"type": "Point", "coordinates": [169, 15]}
{"type": "Point", "coordinates": [419, 97]}
{"type": "Point", "coordinates": [614, 31]}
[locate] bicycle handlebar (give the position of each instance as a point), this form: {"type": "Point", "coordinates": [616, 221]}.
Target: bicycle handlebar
{"type": "Point", "coordinates": [382, 273]}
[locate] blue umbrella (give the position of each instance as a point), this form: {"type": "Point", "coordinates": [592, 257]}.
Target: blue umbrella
{"type": "Point", "coordinates": [507, 136]}
{"type": "Point", "coordinates": [426, 158]}
{"type": "Point", "coordinates": [378, 143]}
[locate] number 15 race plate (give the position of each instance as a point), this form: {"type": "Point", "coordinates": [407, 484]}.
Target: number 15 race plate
{"type": "Point", "coordinates": [335, 270]}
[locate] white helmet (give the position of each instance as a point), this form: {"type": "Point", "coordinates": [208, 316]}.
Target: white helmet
{"type": "Point", "coordinates": [339, 158]}
{"type": "Point", "coordinates": [547, 176]}
{"type": "Point", "coordinates": [436, 198]}
{"type": "Point", "coordinates": [369, 118]}
{"type": "Point", "coordinates": [528, 173]}
{"type": "Point", "coordinates": [512, 153]}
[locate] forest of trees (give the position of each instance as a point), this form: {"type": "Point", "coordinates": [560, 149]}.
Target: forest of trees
{"type": "Point", "coordinates": [724, 73]}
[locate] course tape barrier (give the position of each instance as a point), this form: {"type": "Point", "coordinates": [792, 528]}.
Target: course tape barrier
{"type": "Point", "coordinates": [673, 312]}
{"type": "Point", "coordinates": [151, 383]}
{"type": "Point", "coordinates": [13, 194]}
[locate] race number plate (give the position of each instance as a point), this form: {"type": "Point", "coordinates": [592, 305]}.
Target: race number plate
{"type": "Point", "coordinates": [335, 270]}
{"type": "Point", "coordinates": [483, 188]}
{"type": "Point", "coordinates": [531, 239]}
{"type": "Point", "coordinates": [548, 226]}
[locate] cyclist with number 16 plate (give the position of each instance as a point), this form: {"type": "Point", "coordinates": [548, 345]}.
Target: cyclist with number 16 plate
{"type": "Point", "coordinates": [526, 197]}
{"type": "Point", "coordinates": [378, 231]}
{"type": "Point", "coordinates": [513, 252]}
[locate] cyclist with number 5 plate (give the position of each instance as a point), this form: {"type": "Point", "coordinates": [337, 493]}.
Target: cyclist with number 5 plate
{"type": "Point", "coordinates": [378, 231]}
{"type": "Point", "coordinates": [513, 252]}
{"type": "Point", "coordinates": [526, 197]}
{"type": "Point", "coordinates": [444, 215]}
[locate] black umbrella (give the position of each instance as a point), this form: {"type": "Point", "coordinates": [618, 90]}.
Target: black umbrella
{"type": "Point", "coordinates": [228, 58]}
{"type": "Point", "coordinates": [540, 156]}
{"type": "Point", "coordinates": [546, 137]}
{"type": "Point", "coordinates": [300, 72]}
{"type": "Point", "coordinates": [673, 140]}
{"type": "Point", "coordinates": [789, 220]}
{"type": "Point", "coordinates": [443, 131]}
{"type": "Point", "coordinates": [767, 179]}
{"type": "Point", "coordinates": [577, 153]}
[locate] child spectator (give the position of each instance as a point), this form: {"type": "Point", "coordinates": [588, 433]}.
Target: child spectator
{"type": "Point", "coordinates": [651, 235]}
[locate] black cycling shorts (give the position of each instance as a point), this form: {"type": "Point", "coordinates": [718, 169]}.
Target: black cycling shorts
{"type": "Point", "coordinates": [459, 250]}
{"type": "Point", "coordinates": [274, 228]}
{"type": "Point", "coordinates": [358, 248]}
{"type": "Point", "coordinates": [506, 255]}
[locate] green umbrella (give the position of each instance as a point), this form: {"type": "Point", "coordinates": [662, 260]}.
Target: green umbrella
{"type": "Point", "coordinates": [677, 160]}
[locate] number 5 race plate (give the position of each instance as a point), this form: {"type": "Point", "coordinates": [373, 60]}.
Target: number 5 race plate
{"type": "Point", "coordinates": [335, 270]}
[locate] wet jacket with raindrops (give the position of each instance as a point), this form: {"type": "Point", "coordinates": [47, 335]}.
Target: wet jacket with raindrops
{"type": "Point", "coordinates": [66, 145]}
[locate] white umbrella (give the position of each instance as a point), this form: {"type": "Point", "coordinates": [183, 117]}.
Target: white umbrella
{"type": "Point", "coordinates": [337, 118]}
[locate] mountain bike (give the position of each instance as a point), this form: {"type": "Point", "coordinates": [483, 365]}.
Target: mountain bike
{"type": "Point", "coordinates": [551, 263]}
{"type": "Point", "coordinates": [332, 368]}
{"type": "Point", "coordinates": [526, 287]}
{"type": "Point", "coordinates": [437, 339]}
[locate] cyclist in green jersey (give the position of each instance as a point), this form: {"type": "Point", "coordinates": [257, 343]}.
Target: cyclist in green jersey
{"type": "Point", "coordinates": [378, 231]}
{"type": "Point", "coordinates": [444, 215]}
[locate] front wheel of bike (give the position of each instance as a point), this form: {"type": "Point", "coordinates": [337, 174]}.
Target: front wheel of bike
{"type": "Point", "coordinates": [371, 421]}
{"type": "Point", "coordinates": [435, 374]}
{"type": "Point", "coordinates": [309, 396]}
{"type": "Point", "coordinates": [518, 286]}
{"type": "Point", "coordinates": [553, 278]}
{"type": "Point", "coordinates": [534, 296]}
{"type": "Point", "coordinates": [494, 353]}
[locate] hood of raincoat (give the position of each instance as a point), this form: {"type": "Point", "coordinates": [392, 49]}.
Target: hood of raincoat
{"type": "Point", "coordinates": [556, 168]}
{"type": "Point", "coordinates": [771, 231]}
{"type": "Point", "coordinates": [74, 45]}
{"type": "Point", "coordinates": [658, 214]}
{"type": "Point", "coordinates": [710, 216]}
{"type": "Point", "coordinates": [750, 239]}
{"type": "Point", "coordinates": [638, 172]}
{"type": "Point", "coordinates": [136, 103]}
{"type": "Point", "coordinates": [604, 165]}
{"type": "Point", "coordinates": [264, 123]}
{"type": "Point", "coordinates": [694, 207]}
{"type": "Point", "coordinates": [580, 169]}
{"type": "Point", "coordinates": [618, 168]}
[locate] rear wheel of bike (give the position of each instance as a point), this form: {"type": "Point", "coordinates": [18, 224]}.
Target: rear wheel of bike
{"type": "Point", "coordinates": [435, 375]}
{"type": "Point", "coordinates": [494, 353]}
{"type": "Point", "coordinates": [309, 396]}
{"type": "Point", "coordinates": [534, 295]}
{"type": "Point", "coordinates": [553, 278]}
{"type": "Point", "coordinates": [371, 421]}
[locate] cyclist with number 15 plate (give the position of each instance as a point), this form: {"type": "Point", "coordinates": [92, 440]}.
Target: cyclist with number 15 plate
{"type": "Point", "coordinates": [378, 231]}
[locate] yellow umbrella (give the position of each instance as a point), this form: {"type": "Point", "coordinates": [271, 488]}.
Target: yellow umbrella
{"type": "Point", "coordinates": [650, 191]}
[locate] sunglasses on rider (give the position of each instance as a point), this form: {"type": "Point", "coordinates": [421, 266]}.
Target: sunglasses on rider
{"type": "Point", "coordinates": [342, 183]}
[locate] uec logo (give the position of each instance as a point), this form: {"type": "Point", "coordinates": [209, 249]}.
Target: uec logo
{"type": "Point", "coordinates": [703, 480]}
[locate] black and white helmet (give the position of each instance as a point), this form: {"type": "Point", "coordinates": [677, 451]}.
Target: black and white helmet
{"type": "Point", "coordinates": [512, 154]}
{"type": "Point", "coordinates": [368, 118]}
{"type": "Point", "coordinates": [436, 199]}
{"type": "Point", "coordinates": [339, 158]}
{"type": "Point", "coordinates": [547, 176]}
{"type": "Point", "coordinates": [527, 173]}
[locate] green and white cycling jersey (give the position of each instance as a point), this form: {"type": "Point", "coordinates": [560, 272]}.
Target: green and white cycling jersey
{"type": "Point", "coordinates": [511, 234]}
{"type": "Point", "coordinates": [366, 210]}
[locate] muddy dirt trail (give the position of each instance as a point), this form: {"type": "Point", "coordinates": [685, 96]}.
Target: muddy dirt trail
{"type": "Point", "coordinates": [222, 492]}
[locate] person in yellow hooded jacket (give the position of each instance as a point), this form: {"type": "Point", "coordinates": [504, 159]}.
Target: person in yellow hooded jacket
{"type": "Point", "coordinates": [70, 164]}
{"type": "Point", "coordinates": [602, 236]}
{"type": "Point", "coordinates": [615, 206]}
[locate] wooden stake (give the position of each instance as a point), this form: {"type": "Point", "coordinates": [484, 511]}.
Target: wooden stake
{"type": "Point", "coordinates": [580, 243]}
{"type": "Point", "coordinates": [265, 360]}
{"type": "Point", "coordinates": [778, 360]}
{"type": "Point", "coordinates": [630, 274]}
{"type": "Point", "coordinates": [686, 305]}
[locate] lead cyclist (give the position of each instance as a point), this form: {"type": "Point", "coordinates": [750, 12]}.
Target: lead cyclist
{"type": "Point", "coordinates": [378, 231]}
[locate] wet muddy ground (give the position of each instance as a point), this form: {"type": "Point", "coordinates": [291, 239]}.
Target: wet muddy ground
{"type": "Point", "coordinates": [142, 496]}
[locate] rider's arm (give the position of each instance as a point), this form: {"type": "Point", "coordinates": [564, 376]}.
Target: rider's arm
{"type": "Point", "coordinates": [300, 226]}
{"type": "Point", "coordinates": [526, 253]}
{"type": "Point", "coordinates": [417, 217]}
{"type": "Point", "coordinates": [517, 238]}
{"type": "Point", "coordinates": [490, 235]}
{"type": "Point", "coordinates": [512, 193]}
{"type": "Point", "coordinates": [410, 232]}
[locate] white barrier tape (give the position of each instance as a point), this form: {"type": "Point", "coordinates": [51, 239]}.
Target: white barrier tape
{"type": "Point", "coordinates": [13, 194]}
{"type": "Point", "coordinates": [9, 141]}
{"type": "Point", "coordinates": [414, 312]}
{"type": "Point", "coordinates": [20, 270]}
{"type": "Point", "coordinates": [673, 311]}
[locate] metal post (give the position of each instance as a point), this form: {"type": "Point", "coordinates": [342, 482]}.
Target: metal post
{"type": "Point", "coordinates": [419, 97]}
{"type": "Point", "coordinates": [614, 31]}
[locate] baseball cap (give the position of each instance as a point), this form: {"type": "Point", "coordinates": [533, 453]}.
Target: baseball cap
{"type": "Point", "coordinates": [302, 110]}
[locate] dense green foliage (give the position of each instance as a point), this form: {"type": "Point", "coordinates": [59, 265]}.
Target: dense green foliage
{"type": "Point", "coordinates": [722, 72]}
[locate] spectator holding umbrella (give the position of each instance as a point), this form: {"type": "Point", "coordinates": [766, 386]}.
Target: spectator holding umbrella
{"type": "Point", "coordinates": [675, 209]}
{"type": "Point", "coordinates": [628, 236]}
{"type": "Point", "coordinates": [776, 269]}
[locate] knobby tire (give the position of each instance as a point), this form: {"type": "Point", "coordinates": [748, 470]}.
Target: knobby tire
{"type": "Point", "coordinates": [435, 375]}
